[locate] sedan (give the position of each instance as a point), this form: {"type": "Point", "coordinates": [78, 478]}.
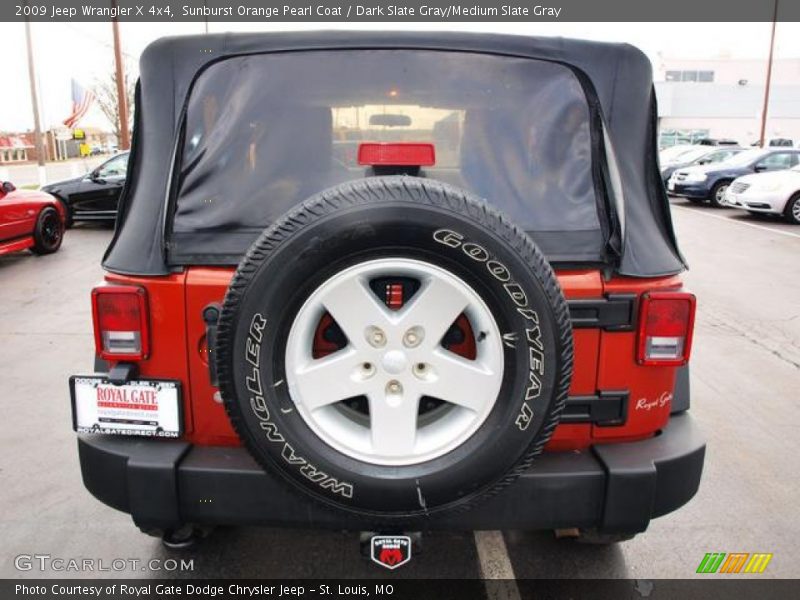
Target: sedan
{"type": "Point", "coordinates": [29, 220]}
{"type": "Point", "coordinates": [772, 193]}
{"type": "Point", "coordinates": [710, 182]}
{"type": "Point", "coordinates": [697, 155]}
{"type": "Point", "coordinates": [95, 196]}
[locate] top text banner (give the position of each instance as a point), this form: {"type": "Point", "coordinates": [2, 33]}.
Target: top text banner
{"type": "Point", "coordinates": [400, 10]}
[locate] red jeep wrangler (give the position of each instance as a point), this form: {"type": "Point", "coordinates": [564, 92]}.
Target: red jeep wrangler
{"type": "Point", "coordinates": [372, 280]}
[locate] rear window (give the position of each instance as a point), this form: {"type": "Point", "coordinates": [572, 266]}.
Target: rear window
{"type": "Point", "coordinates": [265, 132]}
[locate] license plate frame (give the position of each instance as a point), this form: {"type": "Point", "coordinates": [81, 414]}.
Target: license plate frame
{"type": "Point", "coordinates": [157, 413]}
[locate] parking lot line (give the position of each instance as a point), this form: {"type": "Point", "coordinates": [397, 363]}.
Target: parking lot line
{"type": "Point", "coordinates": [496, 564]}
{"type": "Point", "coordinates": [727, 220]}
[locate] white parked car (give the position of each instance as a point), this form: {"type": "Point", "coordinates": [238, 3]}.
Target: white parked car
{"type": "Point", "coordinates": [777, 193]}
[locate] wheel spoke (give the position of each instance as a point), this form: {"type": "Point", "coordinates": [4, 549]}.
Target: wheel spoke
{"type": "Point", "coordinates": [393, 425]}
{"type": "Point", "coordinates": [327, 380]}
{"type": "Point", "coordinates": [434, 308]}
{"type": "Point", "coordinates": [354, 307]}
{"type": "Point", "coordinates": [460, 381]}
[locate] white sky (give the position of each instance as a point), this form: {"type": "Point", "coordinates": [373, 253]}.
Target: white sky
{"type": "Point", "coordinates": [83, 51]}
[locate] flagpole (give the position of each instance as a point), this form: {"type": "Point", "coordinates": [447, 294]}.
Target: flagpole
{"type": "Point", "coordinates": [37, 126]}
{"type": "Point", "coordinates": [122, 98]}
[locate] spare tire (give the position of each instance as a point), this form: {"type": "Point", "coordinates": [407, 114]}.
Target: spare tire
{"type": "Point", "coordinates": [394, 346]}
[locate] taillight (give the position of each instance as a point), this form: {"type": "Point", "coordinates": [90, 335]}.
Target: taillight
{"type": "Point", "coordinates": [396, 154]}
{"type": "Point", "coordinates": [666, 323]}
{"type": "Point", "coordinates": [120, 322]}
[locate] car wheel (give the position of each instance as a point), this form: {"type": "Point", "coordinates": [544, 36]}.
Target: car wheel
{"type": "Point", "coordinates": [395, 347]}
{"type": "Point", "coordinates": [792, 211]}
{"type": "Point", "coordinates": [48, 232]}
{"type": "Point", "coordinates": [717, 197]}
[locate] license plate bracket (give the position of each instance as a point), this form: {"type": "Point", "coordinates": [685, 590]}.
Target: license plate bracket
{"type": "Point", "coordinates": [144, 407]}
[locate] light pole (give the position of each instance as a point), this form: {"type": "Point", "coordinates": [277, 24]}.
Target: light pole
{"type": "Point", "coordinates": [37, 126]}
{"type": "Point", "coordinates": [122, 98]}
{"type": "Point", "coordinates": [765, 108]}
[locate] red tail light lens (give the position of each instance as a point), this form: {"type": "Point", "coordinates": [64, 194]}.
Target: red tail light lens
{"type": "Point", "coordinates": [120, 322]}
{"type": "Point", "coordinates": [666, 323]}
{"type": "Point", "coordinates": [401, 154]}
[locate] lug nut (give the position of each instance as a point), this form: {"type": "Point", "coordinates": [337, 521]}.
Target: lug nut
{"type": "Point", "coordinates": [424, 371]}
{"type": "Point", "coordinates": [413, 337]}
{"type": "Point", "coordinates": [364, 371]}
{"type": "Point", "coordinates": [394, 387]}
{"type": "Point", "coordinates": [394, 394]}
{"type": "Point", "coordinates": [376, 337]}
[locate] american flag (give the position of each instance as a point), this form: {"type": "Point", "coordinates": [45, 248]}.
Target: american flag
{"type": "Point", "coordinates": [81, 101]}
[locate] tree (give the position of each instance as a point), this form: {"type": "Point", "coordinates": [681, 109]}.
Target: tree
{"type": "Point", "coordinates": [105, 91]}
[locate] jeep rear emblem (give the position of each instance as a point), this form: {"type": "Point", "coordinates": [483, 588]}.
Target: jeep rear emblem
{"type": "Point", "coordinates": [390, 551]}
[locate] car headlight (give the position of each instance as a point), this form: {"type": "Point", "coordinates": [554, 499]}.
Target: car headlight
{"type": "Point", "coordinates": [695, 177]}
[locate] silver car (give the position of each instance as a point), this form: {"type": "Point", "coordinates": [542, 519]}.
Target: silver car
{"type": "Point", "coordinates": [776, 193]}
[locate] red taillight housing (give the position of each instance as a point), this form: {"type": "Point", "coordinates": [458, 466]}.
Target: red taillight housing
{"type": "Point", "coordinates": [121, 331]}
{"type": "Point", "coordinates": [397, 154]}
{"type": "Point", "coordinates": [666, 324]}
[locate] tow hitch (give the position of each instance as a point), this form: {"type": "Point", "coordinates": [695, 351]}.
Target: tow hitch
{"type": "Point", "coordinates": [390, 550]}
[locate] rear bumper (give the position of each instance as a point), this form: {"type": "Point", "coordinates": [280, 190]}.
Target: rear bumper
{"type": "Point", "coordinates": [615, 488]}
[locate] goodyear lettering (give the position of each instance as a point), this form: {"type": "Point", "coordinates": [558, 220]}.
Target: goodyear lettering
{"type": "Point", "coordinates": [498, 270]}
{"type": "Point", "coordinates": [525, 417]}
{"type": "Point", "coordinates": [534, 336]}
{"type": "Point", "coordinates": [501, 273]}
{"type": "Point", "coordinates": [517, 294]}
{"type": "Point", "coordinates": [530, 315]}
{"type": "Point", "coordinates": [448, 238]}
{"type": "Point", "coordinates": [536, 360]}
{"type": "Point", "coordinates": [476, 252]}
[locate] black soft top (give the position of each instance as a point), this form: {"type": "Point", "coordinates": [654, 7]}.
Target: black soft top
{"type": "Point", "coordinates": [617, 79]}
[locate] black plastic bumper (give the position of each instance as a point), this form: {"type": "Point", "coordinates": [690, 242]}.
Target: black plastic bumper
{"type": "Point", "coordinates": [614, 488]}
{"type": "Point", "coordinates": [699, 190]}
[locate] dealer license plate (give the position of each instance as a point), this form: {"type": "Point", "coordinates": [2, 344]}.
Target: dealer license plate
{"type": "Point", "coordinates": [150, 408]}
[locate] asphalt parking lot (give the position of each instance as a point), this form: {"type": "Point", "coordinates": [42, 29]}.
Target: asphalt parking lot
{"type": "Point", "coordinates": [745, 375]}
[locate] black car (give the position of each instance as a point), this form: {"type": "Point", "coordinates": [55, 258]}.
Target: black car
{"type": "Point", "coordinates": [697, 155]}
{"type": "Point", "coordinates": [94, 196]}
{"type": "Point", "coordinates": [717, 142]}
